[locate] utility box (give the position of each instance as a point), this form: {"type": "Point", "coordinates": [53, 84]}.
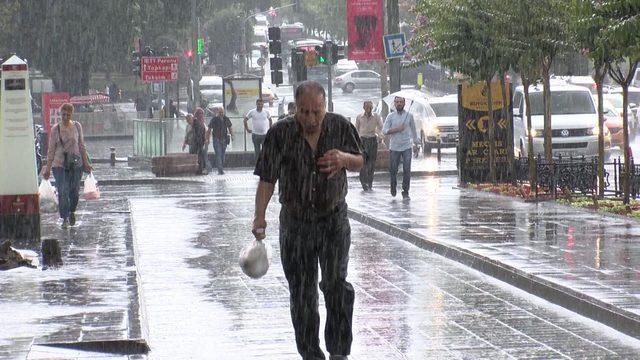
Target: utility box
{"type": "Point", "coordinates": [19, 201]}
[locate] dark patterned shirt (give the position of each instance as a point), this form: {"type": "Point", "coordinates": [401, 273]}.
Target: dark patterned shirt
{"type": "Point", "coordinates": [287, 157]}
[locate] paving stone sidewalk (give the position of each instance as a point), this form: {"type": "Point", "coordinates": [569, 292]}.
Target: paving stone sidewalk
{"type": "Point", "coordinates": [592, 256]}
{"type": "Point", "coordinates": [410, 303]}
{"type": "Point", "coordinates": [92, 299]}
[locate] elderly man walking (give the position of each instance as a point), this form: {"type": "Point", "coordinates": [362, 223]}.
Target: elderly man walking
{"type": "Point", "coordinates": [369, 126]}
{"type": "Point", "coordinates": [308, 156]}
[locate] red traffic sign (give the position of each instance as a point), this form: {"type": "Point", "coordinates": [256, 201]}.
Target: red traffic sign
{"type": "Point", "coordinates": [159, 68]}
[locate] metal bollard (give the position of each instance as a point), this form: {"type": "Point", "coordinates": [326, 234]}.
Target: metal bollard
{"type": "Point", "coordinates": [51, 254]}
{"type": "Point", "coordinates": [439, 150]}
{"type": "Point", "coordinates": [113, 156]}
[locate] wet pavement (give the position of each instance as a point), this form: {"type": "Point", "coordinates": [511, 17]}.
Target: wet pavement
{"type": "Point", "coordinates": [92, 298]}
{"type": "Point", "coordinates": [410, 303]}
{"type": "Point", "coordinates": [593, 257]}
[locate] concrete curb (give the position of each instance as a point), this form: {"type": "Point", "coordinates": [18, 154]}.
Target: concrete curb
{"type": "Point", "coordinates": [588, 306]}
{"type": "Point", "coordinates": [142, 310]}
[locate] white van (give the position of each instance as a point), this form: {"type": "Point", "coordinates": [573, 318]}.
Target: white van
{"type": "Point", "coordinates": [574, 122]}
{"type": "Point", "coordinates": [446, 123]}
{"type": "Point", "coordinates": [211, 88]}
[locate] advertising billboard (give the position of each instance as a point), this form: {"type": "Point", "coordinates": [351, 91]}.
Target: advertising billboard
{"type": "Point", "coordinates": [365, 27]}
{"type": "Point", "coordinates": [473, 127]}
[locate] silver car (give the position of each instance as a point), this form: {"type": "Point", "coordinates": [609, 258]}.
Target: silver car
{"type": "Point", "coordinates": [351, 80]}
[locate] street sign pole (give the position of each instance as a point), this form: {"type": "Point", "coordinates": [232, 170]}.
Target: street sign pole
{"type": "Point", "coordinates": [330, 88]}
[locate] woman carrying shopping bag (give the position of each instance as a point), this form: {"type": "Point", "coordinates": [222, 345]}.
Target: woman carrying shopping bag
{"type": "Point", "coordinates": [67, 157]}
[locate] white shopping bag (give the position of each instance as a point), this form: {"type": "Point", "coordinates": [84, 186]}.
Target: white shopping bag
{"type": "Point", "coordinates": [48, 197]}
{"type": "Point", "coordinates": [255, 259]}
{"type": "Point", "coordinates": [91, 191]}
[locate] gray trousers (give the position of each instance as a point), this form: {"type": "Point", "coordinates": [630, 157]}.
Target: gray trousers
{"type": "Point", "coordinates": [258, 140]}
{"type": "Point", "coordinates": [304, 244]}
{"type": "Point", "coordinates": [370, 145]}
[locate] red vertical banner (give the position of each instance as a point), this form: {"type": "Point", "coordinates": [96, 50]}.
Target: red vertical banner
{"type": "Point", "coordinates": [51, 103]}
{"type": "Point", "coordinates": [365, 28]}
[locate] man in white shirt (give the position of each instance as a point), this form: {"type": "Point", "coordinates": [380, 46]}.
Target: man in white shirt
{"type": "Point", "coordinates": [402, 130]}
{"type": "Point", "coordinates": [369, 126]}
{"type": "Point", "coordinates": [260, 124]}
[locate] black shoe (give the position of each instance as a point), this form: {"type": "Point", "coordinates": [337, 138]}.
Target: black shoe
{"type": "Point", "coordinates": [72, 219]}
{"type": "Point", "coordinates": [65, 223]}
{"type": "Point", "coordinates": [405, 195]}
{"type": "Point", "coordinates": [393, 191]}
{"type": "Point", "coordinates": [220, 172]}
{"type": "Point", "coordinates": [365, 187]}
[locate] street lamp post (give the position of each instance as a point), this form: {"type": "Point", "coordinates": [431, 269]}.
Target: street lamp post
{"type": "Point", "coordinates": [243, 56]}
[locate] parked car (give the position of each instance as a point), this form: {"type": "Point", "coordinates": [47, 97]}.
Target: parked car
{"type": "Point", "coordinates": [211, 88]}
{"type": "Point", "coordinates": [343, 66]}
{"type": "Point", "coordinates": [574, 125]}
{"type": "Point", "coordinates": [634, 103]}
{"type": "Point", "coordinates": [354, 79]}
{"type": "Point", "coordinates": [616, 100]}
{"type": "Point", "coordinates": [445, 127]}
{"type": "Point", "coordinates": [584, 81]}
{"type": "Point", "coordinates": [613, 122]}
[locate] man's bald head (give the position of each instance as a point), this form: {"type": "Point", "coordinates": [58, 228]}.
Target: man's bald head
{"type": "Point", "coordinates": [309, 87]}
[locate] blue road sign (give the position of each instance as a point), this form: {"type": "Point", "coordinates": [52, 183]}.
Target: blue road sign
{"type": "Point", "coordinates": [394, 45]}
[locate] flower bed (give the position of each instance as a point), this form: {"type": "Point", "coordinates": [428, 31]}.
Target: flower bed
{"type": "Point", "coordinates": [609, 205]}
{"type": "Point", "coordinates": [614, 206]}
{"type": "Point", "coordinates": [522, 191]}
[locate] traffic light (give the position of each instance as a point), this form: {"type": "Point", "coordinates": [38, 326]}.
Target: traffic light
{"type": "Point", "coordinates": [276, 70]}
{"type": "Point", "coordinates": [298, 69]}
{"type": "Point", "coordinates": [136, 63]}
{"type": "Point", "coordinates": [275, 45]}
{"type": "Point", "coordinates": [321, 55]}
{"type": "Point", "coordinates": [337, 53]}
{"type": "Point", "coordinates": [275, 48]}
{"type": "Point", "coordinates": [188, 53]}
{"type": "Point", "coordinates": [199, 46]}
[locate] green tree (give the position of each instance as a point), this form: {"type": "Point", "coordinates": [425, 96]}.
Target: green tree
{"type": "Point", "coordinates": [459, 35]}
{"type": "Point", "coordinates": [621, 35]}
{"type": "Point", "coordinates": [68, 40]}
{"type": "Point", "coordinates": [550, 40]}
{"type": "Point", "coordinates": [587, 33]}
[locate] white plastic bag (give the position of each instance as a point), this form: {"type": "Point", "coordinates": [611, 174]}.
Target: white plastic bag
{"type": "Point", "coordinates": [91, 191]}
{"type": "Point", "coordinates": [255, 259]}
{"type": "Point", "coordinates": [48, 197]}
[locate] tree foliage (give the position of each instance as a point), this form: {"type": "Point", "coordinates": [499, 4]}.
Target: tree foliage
{"type": "Point", "coordinates": [621, 21]}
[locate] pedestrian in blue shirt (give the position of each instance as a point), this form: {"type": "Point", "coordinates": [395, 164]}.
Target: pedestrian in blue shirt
{"type": "Point", "coordinates": [401, 129]}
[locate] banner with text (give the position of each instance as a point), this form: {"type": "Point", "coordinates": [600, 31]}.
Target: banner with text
{"type": "Point", "coordinates": [365, 28]}
{"type": "Point", "coordinates": [473, 127]}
